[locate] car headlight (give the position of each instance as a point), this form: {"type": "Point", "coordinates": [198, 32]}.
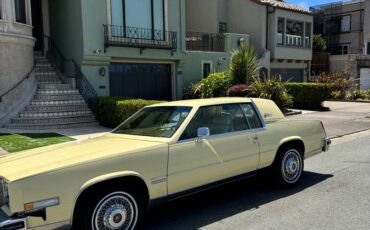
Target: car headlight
{"type": "Point", "coordinates": [4, 192]}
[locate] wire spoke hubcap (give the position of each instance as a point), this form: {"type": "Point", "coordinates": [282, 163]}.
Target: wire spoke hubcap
{"type": "Point", "coordinates": [115, 212]}
{"type": "Point", "coordinates": [291, 166]}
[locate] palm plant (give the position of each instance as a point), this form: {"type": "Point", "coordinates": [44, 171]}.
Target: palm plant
{"type": "Point", "coordinates": [244, 66]}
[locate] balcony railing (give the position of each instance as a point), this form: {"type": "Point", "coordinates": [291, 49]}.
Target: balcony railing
{"type": "Point", "coordinates": [199, 41]}
{"type": "Point", "coordinates": [293, 40]}
{"type": "Point", "coordinates": [139, 37]}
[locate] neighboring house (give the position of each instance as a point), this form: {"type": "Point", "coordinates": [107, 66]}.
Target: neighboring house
{"type": "Point", "coordinates": [281, 32]}
{"type": "Point", "coordinates": [16, 57]}
{"type": "Point", "coordinates": [346, 28]}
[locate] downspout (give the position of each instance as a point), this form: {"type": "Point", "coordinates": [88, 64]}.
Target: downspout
{"type": "Point", "coordinates": [182, 26]}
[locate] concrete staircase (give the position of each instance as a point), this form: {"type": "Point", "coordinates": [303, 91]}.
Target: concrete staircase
{"type": "Point", "coordinates": [56, 105]}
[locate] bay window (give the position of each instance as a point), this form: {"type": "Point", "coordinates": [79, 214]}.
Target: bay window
{"type": "Point", "coordinates": [294, 33]}
{"type": "Point", "coordinates": [20, 11]}
{"type": "Point", "coordinates": [142, 19]}
{"type": "Point", "coordinates": [280, 33]}
{"type": "Point", "coordinates": [307, 38]}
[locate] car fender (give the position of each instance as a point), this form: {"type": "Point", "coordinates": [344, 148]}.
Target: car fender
{"type": "Point", "coordinates": [103, 178]}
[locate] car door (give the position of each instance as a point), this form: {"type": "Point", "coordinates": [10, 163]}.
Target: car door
{"type": "Point", "coordinates": [231, 149]}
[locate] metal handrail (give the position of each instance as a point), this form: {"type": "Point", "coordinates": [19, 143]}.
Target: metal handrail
{"type": "Point", "coordinates": [82, 84]}
{"type": "Point", "coordinates": [20, 82]}
{"type": "Point", "coordinates": [201, 41]}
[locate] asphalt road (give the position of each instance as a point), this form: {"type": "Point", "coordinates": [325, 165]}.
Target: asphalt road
{"type": "Point", "coordinates": [334, 194]}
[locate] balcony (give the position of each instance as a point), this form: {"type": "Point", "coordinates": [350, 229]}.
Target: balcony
{"type": "Point", "coordinates": [139, 38]}
{"type": "Point", "coordinates": [293, 40]}
{"type": "Point", "coordinates": [211, 42]}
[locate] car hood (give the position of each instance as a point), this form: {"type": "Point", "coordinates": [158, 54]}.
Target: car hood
{"type": "Point", "coordinates": [24, 164]}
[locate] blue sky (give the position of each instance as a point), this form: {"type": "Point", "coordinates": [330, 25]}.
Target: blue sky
{"type": "Point", "coordinates": [308, 3]}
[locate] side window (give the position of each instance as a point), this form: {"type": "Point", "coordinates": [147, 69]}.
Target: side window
{"type": "Point", "coordinates": [219, 119]}
{"type": "Point", "coordinates": [251, 116]}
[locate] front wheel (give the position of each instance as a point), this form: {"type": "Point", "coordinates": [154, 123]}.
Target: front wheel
{"type": "Point", "coordinates": [112, 209]}
{"type": "Point", "coordinates": [289, 165]}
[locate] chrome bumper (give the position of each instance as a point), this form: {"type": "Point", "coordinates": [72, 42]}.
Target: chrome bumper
{"type": "Point", "coordinates": [9, 223]}
{"type": "Point", "coordinates": [327, 143]}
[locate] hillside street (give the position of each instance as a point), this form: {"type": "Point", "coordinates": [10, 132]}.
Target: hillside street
{"type": "Point", "coordinates": [334, 194]}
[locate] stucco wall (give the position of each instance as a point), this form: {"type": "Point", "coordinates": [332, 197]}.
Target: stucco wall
{"type": "Point", "coordinates": [16, 58]}
{"type": "Point", "coordinates": [202, 15]}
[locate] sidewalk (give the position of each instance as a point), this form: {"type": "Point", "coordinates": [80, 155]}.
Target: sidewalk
{"type": "Point", "coordinates": [342, 119]}
{"type": "Point", "coordinates": [2, 151]}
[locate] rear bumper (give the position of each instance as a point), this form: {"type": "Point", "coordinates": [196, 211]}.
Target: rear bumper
{"type": "Point", "coordinates": [10, 223]}
{"type": "Point", "coordinates": [326, 146]}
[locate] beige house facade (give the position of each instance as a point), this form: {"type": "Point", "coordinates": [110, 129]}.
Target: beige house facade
{"type": "Point", "coordinates": [280, 32]}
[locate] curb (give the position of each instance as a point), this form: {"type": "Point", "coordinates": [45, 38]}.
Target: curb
{"type": "Point", "coordinates": [346, 134]}
{"type": "Point", "coordinates": [339, 100]}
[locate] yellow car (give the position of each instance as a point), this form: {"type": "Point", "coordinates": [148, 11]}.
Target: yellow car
{"type": "Point", "coordinates": [161, 153]}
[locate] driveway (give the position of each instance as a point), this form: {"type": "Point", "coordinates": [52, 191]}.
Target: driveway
{"type": "Point", "coordinates": [342, 119]}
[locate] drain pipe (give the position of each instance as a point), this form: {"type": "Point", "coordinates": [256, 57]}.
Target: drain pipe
{"type": "Point", "coordinates": [267, 23]}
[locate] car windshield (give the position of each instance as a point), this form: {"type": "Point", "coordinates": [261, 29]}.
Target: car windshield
{"type": "Point", "coordinates": [155, 121]}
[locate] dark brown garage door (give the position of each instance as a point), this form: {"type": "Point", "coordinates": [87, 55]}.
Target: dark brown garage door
{"type": "Point", "coordinates": [146, 81]}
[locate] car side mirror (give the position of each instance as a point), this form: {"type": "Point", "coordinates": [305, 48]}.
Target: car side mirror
{"type": "Point", "coordinates": [203, 133]}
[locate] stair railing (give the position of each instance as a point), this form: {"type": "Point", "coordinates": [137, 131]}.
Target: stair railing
{"type": "Point", "coordinates": [82, 84]}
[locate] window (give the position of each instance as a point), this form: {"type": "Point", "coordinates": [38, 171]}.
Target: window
{"type": "Point", "coordinates": [222, 27]}
{"type": "Point", "coordinates": [280, 33]}
{"type": "Point", "coordinates": [338, 25]}
{"type": "Point", "coordinates": [141, 18]}
{"type": "Point", "coordinates": [346, 24]}
{"type": "Point", "coordinates": [294, 33]}
{"type": "Point", "coordinates": [368, 48]}
{"type": "Point", "coordinates": [20, 11]}
{"type": "Point", "coordinates": [155, 122]}
{"type": "Point", "coordinates": [206, 69]}
{"type": "Point", "coordinates": [220, 119]}
{"type": "Point", "coordinates": [307, 38]}
{"type": "Point", "coordinates": [252, 117]}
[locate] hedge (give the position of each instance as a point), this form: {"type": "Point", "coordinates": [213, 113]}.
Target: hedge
{"type": "Point", "coordinates": [308, 95]}
{"type": "Point", "coordinates": [112, 111]}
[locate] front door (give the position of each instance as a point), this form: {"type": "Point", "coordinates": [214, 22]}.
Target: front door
{"type": "Point", "coordinates": [231, 149]}
{"type": "Point", "coordinates": [36, 8]}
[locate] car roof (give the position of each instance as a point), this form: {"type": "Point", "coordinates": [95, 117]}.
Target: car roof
{"type": "Point", "coordinates": [205, 102]}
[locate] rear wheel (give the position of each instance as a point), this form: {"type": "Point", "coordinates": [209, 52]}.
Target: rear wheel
{"type": "Point", "coordinates": [289, 165]}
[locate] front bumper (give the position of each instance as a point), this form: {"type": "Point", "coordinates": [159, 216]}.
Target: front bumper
{"type": "Point", "coordinates": [10, 223]}
{"type": "Point", "coordinates": [327, 143]}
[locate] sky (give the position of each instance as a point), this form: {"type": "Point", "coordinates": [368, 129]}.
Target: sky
{"type": "Point", "coordinates": [307, 3]}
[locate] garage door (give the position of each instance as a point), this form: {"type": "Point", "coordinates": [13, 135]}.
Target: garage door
{"type": "Point", "coordinates": [137, 80]}
{"type": "Point", "coordinates": [365, 78]}
{"type": "Point", "coordinates": [292, 75]}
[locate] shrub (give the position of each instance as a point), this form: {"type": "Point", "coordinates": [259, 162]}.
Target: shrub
{"type": "Point", "coordinates": [308, 95]}
{"type": "Point", "coordinates": [240, 90]}
{"type": "Point", "coordinates": [273, 89]}
{"type": "Point", "coordinates": [215, 85]}
{"type": "Point", "coordinates": [339, 81]}
{"type": "Point", "coordinates": [244, 66]}
{"type": "Point", "coordinates": [319, 43]}
{"type": "Point", "coordinates": [360, 94]}
{"type": "Point", "coordinates": [112, 111]}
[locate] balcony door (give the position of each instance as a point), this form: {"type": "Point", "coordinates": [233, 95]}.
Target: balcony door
{"type": "Point", "coordinates": [142, 19]}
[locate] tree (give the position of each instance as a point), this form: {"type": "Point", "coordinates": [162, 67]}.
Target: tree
{"type": "Point", "coordinates": [244, 66]}
{"type": "Point", "coordinates": [319, 43]}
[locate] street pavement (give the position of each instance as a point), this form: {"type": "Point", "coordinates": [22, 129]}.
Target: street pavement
{"type": "Point", "coordinates": [342, 119]}
{"type": "Point", "coordinates": [334, 194]}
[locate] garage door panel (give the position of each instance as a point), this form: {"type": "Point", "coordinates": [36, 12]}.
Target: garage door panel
{"type": "Point", "coordinates": [146, 81]}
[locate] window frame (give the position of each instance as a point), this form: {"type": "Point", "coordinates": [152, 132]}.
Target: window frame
{"type": "Point", "coordinates": [210, 69]}
{"type": "Point", "coordinates": [302, 35]}
{"type": "Point", "coordinates": [368, 48]}
{"type": "Point", "coordinates": [283, 33]}
{"type": "Point", "coordinates": [249, 130]}
{"type": "Point", "coordinates": [310, 34]}
{"type": "Point", "coordinates": [25, 12]}
{"type": "Point", "coordinates": [220, 24]}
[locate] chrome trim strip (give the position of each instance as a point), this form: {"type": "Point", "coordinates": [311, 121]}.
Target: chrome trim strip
{"type": "Point", "coordinates": [313, 153]}
{"type": "Point", "coordinates": [157, 180]}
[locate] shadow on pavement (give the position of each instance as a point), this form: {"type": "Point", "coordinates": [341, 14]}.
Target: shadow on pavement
{"type": "Point", "coordinates": [214, 205]}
